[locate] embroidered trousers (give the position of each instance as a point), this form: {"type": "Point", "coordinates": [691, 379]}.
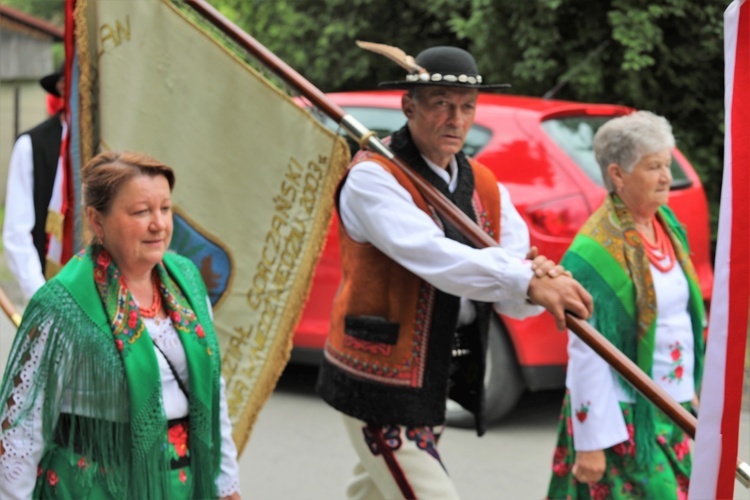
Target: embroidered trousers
{"type": "Point", "coordinates": [397, 462]}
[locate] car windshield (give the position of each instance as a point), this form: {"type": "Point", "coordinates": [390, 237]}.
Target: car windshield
{"type": "Point", "coordinates": [385, 121]}
{"type": "Point", "coordinates": [575, 136]}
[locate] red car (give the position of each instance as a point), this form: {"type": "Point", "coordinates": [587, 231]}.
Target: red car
{"type": "Point", "coordinates": [542, 151]}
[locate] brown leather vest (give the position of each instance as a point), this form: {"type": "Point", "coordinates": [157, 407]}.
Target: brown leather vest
{"type": "Point", "coordinates": [386, 359]}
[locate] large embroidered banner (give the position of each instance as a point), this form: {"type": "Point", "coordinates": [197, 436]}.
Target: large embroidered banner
{"type": "Point", "coordinates": [255, 172]}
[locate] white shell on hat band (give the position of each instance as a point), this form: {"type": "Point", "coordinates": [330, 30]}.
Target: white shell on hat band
{"type": "Point", "coordinates": [437, 77]}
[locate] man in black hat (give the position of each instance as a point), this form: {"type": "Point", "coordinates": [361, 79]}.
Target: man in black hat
{"type": "Point", "coordinates": [31, 177]}
{"type": "Point", "coordinates": [410, 320]}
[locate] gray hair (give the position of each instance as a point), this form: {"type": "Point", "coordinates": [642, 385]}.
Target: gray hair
{"type": "Point", "coordinates": [627, 139]}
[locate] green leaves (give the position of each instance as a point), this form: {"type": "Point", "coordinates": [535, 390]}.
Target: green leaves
{"type": "Point", "coordinates": [663, 56]}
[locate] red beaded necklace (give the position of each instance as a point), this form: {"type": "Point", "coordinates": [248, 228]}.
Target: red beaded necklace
{"type": "Point", "coordinates": [661, 252]}
{"type": "Point", "coordinates": [153, 310]}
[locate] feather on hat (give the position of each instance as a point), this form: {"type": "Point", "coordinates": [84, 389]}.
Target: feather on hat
{"type": "Point", "coordinates": [442, 65]}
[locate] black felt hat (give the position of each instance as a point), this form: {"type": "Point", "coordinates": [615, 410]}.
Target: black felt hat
{"type": "Point", "coordinates": [444, 66]}
{"type": "Point", "coordinates": [49, 82]}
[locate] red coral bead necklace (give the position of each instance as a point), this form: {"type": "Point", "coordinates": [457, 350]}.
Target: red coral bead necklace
{"type": "Point", "coordinates": [661, 252]}
{"type": "Point", "coordinates": [153, 310]}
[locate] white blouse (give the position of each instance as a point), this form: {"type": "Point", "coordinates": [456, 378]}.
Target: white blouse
{"type": "Point", "coordinates": [24, 446]}
{"type": "Point", "coordinates": [594, 388]}
{"type": "Point", "coordinates": [376, 209]}
{"type": "Point", "coordinates": [20, 252]}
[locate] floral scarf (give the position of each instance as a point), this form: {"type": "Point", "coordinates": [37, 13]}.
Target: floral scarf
{"type": "Point", "coordinates": [142, 372]}
{"type": "Point", "coordinates": [95, 362]}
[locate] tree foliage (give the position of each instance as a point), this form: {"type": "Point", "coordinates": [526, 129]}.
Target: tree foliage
{"type": "Point", "coordinates": [665, 56]}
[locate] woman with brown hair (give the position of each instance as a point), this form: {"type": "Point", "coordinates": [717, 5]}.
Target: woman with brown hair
{"type": "Point", "coordinates": [113, 387]}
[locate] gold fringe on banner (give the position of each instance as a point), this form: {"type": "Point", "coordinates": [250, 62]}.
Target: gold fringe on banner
{"type": "Point", "coordinates": [86, 81]}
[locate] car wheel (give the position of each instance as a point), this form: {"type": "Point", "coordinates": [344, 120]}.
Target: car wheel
{"type": "Point", "coordinates": [503, 382]}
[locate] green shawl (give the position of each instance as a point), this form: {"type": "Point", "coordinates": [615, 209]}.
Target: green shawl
{"type": "Point", "coordinates": [608, 258]}
{"type": "Point", "coordinates": [97, 347]}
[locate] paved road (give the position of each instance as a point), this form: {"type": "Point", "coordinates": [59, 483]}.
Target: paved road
{"type": "Point", "coordinates": [298, 432]}
{"type": "Point", "coordinates": [297, 450]}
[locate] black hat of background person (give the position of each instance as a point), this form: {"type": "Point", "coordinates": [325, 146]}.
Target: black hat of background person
{"type": "Point", "coordinates": [444, 66]}
{"type": "Point", "coordinates": [49, 82]}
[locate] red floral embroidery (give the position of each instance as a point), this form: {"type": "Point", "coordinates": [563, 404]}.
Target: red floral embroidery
{"type": "Point", "coordinates": [583, 411]}
{"type": "Point", "coordinates": [52, 478]}
{"type": "Point", "coordinates": [100, 276]}
{"type": "Point", "coordinates": [631, 432]}
{"type": "Point", "coordinates": [599, 491]}
{"type": "Point", "coordinates": [133, 319]}
{"type": "Point", "coordinates": [199, 331]}
{"type": "Point", "coordinates": [82, 463]}
{"type": "Point", "coordinates": [119, 344]}
{"type": "Point", "coordinates": [176, 318]}
{"type": "Point", "coordinates": [559, 467]}
{"type": "Point", "coordinates": [683, 483]}
{"type": "Point", "coordinates": [626, 447]}
{"type": "Point", "coordinates": [104, 259]}
{"type": "Point", "coordinates": [178, 437]}
{"type": "Point", "coordinates": [682, 449]}
{"type": "Point", "coordinates": [675, 375]}
{"type": "Point", "coordinates": [183, 476]}
{"type": "Point", "coordinates": [561, 470]}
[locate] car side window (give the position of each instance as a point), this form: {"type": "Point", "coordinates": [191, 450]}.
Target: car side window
{"type": "Point", "coordinates": [575, 136]}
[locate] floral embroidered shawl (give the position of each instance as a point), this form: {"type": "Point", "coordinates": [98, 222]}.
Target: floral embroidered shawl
{"type": "Point", "coordinates": [98, 350]}
{"type": "Point", "coordinates": [608, 258]}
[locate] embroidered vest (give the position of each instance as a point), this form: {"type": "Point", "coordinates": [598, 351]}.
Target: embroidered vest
{"type": "Point", "coordinates": [388, 354]}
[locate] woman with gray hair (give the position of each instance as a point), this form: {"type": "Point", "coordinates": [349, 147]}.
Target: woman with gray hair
{"type": "Point", "coordinates": [632, 256]}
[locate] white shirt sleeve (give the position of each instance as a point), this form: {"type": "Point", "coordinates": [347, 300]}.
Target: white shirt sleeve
{"type": "Point", "coordinates": [514, 237]}
{"type": "Point", "coordinates": [595, 409]}
{"type": "Point", "coordinates": [23, 445]}
{"type": "Point", "coordinates": [514, 234]}
{"type": "Point", "coordinates": [228, 481]}
{"type": "Point", "coordinates": [376, 209]}
{"type": "Point", "coordinates": [20, 252]}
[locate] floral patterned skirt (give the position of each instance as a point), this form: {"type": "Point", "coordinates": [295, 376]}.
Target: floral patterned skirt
{"type": "Point", "coordinates": [668, 478]}
{"type": "Point", "coordinates": [68, 475]}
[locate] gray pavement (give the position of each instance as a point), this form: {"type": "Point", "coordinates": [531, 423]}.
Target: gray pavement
{"type": "Point", "coordinates": [298, 449]}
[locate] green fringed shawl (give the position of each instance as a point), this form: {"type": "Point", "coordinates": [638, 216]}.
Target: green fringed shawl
{"type": "Point", "coordinates": [608, 258]}
{"type": "Point", "coordinates": [94, 346]}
